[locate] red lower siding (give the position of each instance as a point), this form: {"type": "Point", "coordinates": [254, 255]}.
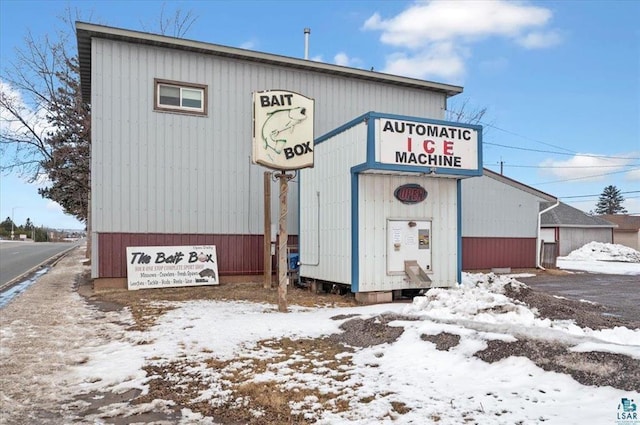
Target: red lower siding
{"type": "Point", "coordinates": [486, 253]}
{"type": "Point", "coordinates": [237, 254]}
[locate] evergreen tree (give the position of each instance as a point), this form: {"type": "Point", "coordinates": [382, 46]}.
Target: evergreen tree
{"type": "Point", "coordinates": [5, 226]}
{"type": "Point", "coordinates": [68, 165]}
{"type": "Point", "coordinates": [610, 201]}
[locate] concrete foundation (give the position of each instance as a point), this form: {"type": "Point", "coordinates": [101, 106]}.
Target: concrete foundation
{"type": "Point", "coordinates": [374, 297]}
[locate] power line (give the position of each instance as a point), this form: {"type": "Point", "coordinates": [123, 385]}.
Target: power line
{"type": "Point", "coordinates": [568, 152]}
{"type": "Point", "coordinates": [513, 133]}
{"type": "Point", "coordinates": [527, 138]}
{"type": "Point", "coordinates": [598, 195]}
{"type": "Point", "coordinates": [559, 153]}
{"type": "Point", "coordinates": [588, 177]}
{"type": "Point", "coordinates": [570, 166]}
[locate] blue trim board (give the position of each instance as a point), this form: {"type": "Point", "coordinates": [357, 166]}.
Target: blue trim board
{"type": "Point", "coordinates": [459, 225]}
{"type": "Point", "coordinates": [375, 115]}
{"type": "Point", "coordinates": [344, 127]}
{"type": "Point", "coordinates": [371, 139]}
{"type": "Point", "coordinates": [424, 170]}
{"type": "Point", "coordinates": [355, 227]}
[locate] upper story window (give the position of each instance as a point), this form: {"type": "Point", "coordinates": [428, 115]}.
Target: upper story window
{"type": "Point", "coordinates": [175, 96]}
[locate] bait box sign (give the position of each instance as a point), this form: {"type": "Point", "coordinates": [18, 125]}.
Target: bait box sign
{"type": "Point", "coordinates": [171, 266]}
{"type": "Point", "coordinates": [282, 130]}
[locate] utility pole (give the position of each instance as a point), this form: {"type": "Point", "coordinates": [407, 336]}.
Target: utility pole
{"type": "Point", "coordinates": [12, 222]}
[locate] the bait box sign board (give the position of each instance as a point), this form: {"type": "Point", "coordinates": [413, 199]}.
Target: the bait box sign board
{"type": "Point", "coordinates": [282, 130]}
{"type": "Point", "coordinates": [171, 266]}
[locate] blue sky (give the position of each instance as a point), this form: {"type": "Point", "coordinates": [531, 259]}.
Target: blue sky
{"type": "Point", "coordinates": [560, 80]}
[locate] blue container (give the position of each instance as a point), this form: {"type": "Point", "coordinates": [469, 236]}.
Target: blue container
{"type": "Point", "coordinates": [294, 259]}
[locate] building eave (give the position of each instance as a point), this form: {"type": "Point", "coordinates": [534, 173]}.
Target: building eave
{"type": "Point", "coordinates": [516, 184]}
{"type": "Point", "coordinates": [86, 31]}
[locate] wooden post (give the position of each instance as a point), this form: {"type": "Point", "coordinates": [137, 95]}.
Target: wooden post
{"type": "Point", "coordinates": [267, 230]}
{"type": "Point", "coordinates": [283, 239]}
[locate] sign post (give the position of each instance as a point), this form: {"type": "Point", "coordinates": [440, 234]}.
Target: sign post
{"type": "Point", "coordinates": [282, 140]}
{"type": "Point", "coordinates": [283, 261]}
{"type": "Point", "coordinates": [267, 230]}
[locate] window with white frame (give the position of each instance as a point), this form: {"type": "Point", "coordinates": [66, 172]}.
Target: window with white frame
{"type": "Point", "coordinates": [175, 96]}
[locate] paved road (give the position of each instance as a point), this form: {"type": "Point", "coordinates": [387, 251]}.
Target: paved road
{"type": "Point", "coordinates": [17, 258]}
{"type": "Point", "coordinates": [619, 293]}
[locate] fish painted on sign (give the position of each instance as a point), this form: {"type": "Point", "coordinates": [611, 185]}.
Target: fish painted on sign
{"type": "Point", "coordinates": [208, 273]}
{"type": "Point", "coordinates": [274, 130]}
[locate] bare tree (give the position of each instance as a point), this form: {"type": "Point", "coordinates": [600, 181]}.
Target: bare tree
{"type": "Point", "coordinates": [176, 25]}
{"type": "Point", "coordinates": [28, 87]}
{"type": "Point", "coordinates": [465, 114]}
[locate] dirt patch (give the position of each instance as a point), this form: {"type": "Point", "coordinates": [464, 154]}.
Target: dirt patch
{"type": "Point", "coordinates": [369, 332]}
{"type": "Point", "coordinates": [444, 341]}
{"type": "Point", "coordinates": [591, 368]}
{"type": "Point", "coordinates": [253, 390]}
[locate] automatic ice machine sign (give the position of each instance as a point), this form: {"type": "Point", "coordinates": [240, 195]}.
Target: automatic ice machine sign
{"type": "Point", "coordinates": [425, 144]}
{"type": "Point", "coordinates": [282, 130]}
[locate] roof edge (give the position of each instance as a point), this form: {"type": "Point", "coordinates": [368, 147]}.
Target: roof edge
{"type": "Point", "coordinates": [518, 185]}
{"type": "Point", "coordinates": [86, 31]}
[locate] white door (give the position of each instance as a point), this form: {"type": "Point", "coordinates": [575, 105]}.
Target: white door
{"type": "Point", "coordinates": [408, 240]}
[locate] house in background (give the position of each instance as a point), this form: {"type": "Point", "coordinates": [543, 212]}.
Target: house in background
{"type": "Point", "coordinates": [628, 231]}
{"type": "Point", "coordinates": [500, 222]}
{"type": "Point", "coordinates": [569, 228]}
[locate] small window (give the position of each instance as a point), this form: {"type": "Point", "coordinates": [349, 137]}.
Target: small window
{"type": "Point", "coordinates": [180, 97]}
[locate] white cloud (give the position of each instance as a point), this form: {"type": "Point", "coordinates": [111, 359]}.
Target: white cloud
{"type": "Point", "coordinates": [426, 22]}
{"type": "Point", "coordinates": [341, 59]}
{"type": "Point", "coordinates": [494, 65]}
{"type": "Point", "coordinates": [540, 40]}
{"type": "Point", "coordinates": [12, 103]}
{"type": "Point", "coordinates": [587, 167]}
{"type": "Point", "coordinates": [421, 30]}
{"type": "Point", "coordinates": [249, 45]}
{"type": "Point", "coordinates": [344, 60]}
{"type": "Point", "coordinates": [317, 58]}
{"type": "Point", "coordinates": [633, 175]}
{"type": "Point", "coordinates": [441, 61]}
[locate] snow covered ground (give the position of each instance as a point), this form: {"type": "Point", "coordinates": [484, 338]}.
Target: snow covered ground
{"type": "Point", "coordinates": [434, 386]}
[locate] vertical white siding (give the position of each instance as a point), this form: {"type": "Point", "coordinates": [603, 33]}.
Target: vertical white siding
{"type": "Point", "coordinates": [494, 209]}
{"type": "Point", "coordinates": [325, 207]}
{"type": "Point", "coordinates": [572, 238]}
{"type": "Point", "coordinates": [172, 173]}
{"type": "Point", "coordinates": [377, 204]}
